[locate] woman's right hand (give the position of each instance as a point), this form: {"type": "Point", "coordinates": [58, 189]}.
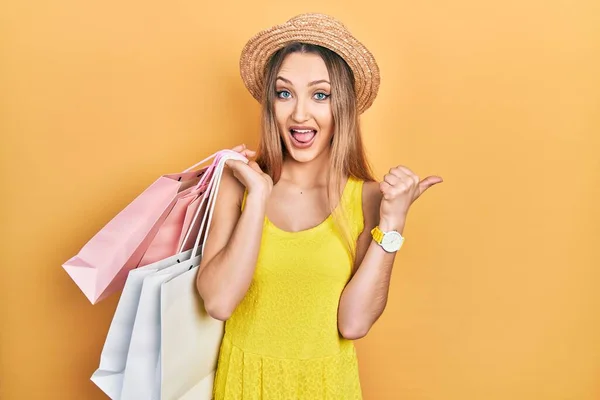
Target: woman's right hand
{"type": "Point", "coordinates": [250, 174]}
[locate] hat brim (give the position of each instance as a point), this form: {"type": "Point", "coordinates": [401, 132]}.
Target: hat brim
{"type": "Point", "coordinates": [316, 29]}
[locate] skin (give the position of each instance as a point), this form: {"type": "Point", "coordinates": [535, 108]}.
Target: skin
{"type": "Point", "coordinates": [303, 91]}
{"type": "Point", "coordinates": [297, 202]}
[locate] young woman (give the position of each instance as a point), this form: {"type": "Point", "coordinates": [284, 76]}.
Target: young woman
{"type": "Point", "coordinates": [300, 252]}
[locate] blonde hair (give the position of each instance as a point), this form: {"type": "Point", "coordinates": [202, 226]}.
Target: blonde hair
{"type": "Point", "coordinates": [348, 156]}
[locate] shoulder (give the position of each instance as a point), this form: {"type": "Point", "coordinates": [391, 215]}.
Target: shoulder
{"type": "Point", "coordinates": [371, 195]}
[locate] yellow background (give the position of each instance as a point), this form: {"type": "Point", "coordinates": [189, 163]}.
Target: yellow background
{"type": "Point", "coordinates": [495, 295]}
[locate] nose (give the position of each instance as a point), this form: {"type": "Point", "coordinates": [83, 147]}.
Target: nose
{"type": "Point", "coordinates": [300, 113]}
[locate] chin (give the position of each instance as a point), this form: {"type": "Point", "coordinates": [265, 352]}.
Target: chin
{"type": "Point", "coordinates": [305, 155]}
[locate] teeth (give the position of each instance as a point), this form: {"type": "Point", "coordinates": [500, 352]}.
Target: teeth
{"type": "Point", "coordinates": [302, 130]}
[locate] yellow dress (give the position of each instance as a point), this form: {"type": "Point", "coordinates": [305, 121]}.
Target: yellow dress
{"type": "Point", "coordinates": [282, 341]}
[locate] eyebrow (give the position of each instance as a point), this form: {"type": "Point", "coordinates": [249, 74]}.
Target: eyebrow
{"type": "Point", "coordinates": [309, 84]}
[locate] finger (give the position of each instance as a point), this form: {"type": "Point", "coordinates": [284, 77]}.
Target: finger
{"type": "Point", "coordinates": [239, 148]}
{"type": "Point", "coordinates": [429, 182]}
{"type": "Point", "coordinates": [399, 177]}
{"type": "Point", "coordinates": [401, 172]}
{"type": "Point", "coordinates": [392, 179]}
{"type": "Point", "coordinates": [408, 172]}
{"type": "Point", "coordinates": [254, 166]}
{"type": "Point", "coordinates": [240, 170]}
{"type": "Point", "coordinates": [386, 190]}
{"type": "Point", "coordinates": [233, 164]}
{"type": "Point", "coordinates": [248, 153]}
{"type": "Point", "coordinates": [404, 169]}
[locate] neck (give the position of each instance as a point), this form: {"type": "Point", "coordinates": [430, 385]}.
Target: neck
{"type": "Point", "coordinates": [306, 175]}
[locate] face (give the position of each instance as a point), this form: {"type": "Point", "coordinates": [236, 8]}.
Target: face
{"type": "Point", "coordinates": [303, 106]}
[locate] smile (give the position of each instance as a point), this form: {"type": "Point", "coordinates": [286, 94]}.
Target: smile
{"type": "Point", "coordinates": [302, 138]}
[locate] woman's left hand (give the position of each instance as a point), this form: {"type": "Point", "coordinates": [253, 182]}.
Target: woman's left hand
{"type": "Point", "coordinates": [400, 188]}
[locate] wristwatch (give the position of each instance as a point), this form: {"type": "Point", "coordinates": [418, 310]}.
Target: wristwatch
{"type": "Point", "coordinates": [390, 241]}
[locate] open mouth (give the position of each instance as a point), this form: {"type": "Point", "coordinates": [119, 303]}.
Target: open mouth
{"type": "Point", "coordinates": [303, 137]}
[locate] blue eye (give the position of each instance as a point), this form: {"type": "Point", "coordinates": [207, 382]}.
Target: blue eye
{"type": "Point", "coordinates": [283, 94]}
{"type": "Point", "coordinates": [321, 96]}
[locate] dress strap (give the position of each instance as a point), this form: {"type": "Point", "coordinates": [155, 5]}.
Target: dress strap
{"type": "Point", "coordinates": [244, 199]}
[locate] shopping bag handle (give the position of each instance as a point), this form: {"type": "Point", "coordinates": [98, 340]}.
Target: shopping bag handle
{"type": "Point", "coordinates": [210, 208]}
{"type": "Point", "coordinates": [193, 167]}
{"type": "Point", "coordinates": [210, 195]}
{"type": "Point", "coordinates": [208, 175]}
{"type": "Point", "coordinates": [210, 169]}
{"type": "Point", "coordinates": [218, 154]}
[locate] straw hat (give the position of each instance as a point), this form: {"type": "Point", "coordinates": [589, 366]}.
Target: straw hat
{"type": "Point", "coordinates": [318, 29]}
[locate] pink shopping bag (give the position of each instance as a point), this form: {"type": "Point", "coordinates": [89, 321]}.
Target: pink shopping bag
{"type": "Point", "coordinates": [101, 266]}
{"type": "Point", "coordinates": [187, 223]}
{"type": "Point", "coordinates": [169, 237]}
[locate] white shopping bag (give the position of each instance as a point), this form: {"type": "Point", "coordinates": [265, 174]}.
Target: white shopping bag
{"type": "Point", "coordinates": [189, 340]}
{"type": "Point", "coordinates": [140, 373]}
{"type": "Point", "coordinates": [109, 375]}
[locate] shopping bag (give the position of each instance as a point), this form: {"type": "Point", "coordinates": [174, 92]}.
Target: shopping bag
{"type": "Point", "coordinates": [140, 372]}
{"type": "Point", "coordinates": [190, 338]}
{"type": "Point", "coordinates": [171, 233]}
{"type": "Point", "coordinates": [101, 266]}
{"type": "Point", "coordinates": [168, 239]}
{"type": "Point", "coordinates": [109, 375]}
{"type": "Point", "coordinates": [143, 367]}
{"type": "Point", "coordinates": [190, 225]}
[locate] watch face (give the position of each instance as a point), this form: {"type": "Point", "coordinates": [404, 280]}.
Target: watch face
{"type": "Point", "coordinates": [392, 241]}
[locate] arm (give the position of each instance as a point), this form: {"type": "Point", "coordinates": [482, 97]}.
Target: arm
{"type": "Point", "coordinates": [365, 296]}
{"type": "Point", "coordinates": [232, 246]}
{"type": "Point", "coordinates": [387, 203]}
